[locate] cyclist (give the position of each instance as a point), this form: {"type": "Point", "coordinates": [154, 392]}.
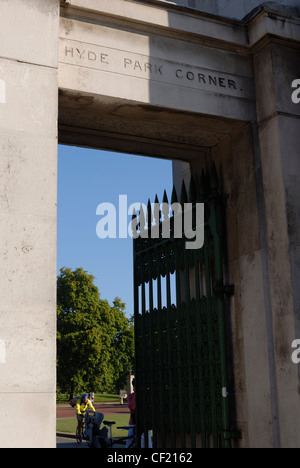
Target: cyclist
{"type": "Point", "coordinates": [83, 405]}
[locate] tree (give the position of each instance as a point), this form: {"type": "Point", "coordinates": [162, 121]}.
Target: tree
{"type": "Point", "coordinates": [122, 340]}
{"type": "Point", "coordinates": [94, 340]}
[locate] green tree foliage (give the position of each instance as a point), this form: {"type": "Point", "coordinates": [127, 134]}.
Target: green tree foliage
{"type": "Point", "coordinates": [95, 341]}
{"type": "Point", "coordinates": [122, 340]}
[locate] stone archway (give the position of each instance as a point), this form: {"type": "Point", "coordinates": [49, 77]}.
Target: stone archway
{"type": "Point", "coordinates": [155, 79]}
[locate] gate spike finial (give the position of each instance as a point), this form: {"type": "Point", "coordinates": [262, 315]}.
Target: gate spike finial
{"type": "Point", "coordinates": [134, 224]}
{"type": "Point", "coordinates": [157, 212]}
{"type": "Point", "coordinates": [149, 215]}
{"type": "Point", "coordinates": [165, 206]}
{"type": "Point", "coordinates": [165, 198]}
{"type": "Point", "coordinates": [175, 204]}
{"type": "Point", "coordinates": [142, 219]}
{"type": "Point", "coordinates": [174, 198]}
{"type": "Point", "coordinates": [134, 215]}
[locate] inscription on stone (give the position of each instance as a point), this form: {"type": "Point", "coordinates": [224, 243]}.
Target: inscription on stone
{"type": "Point", "coordinates": [151, 68]}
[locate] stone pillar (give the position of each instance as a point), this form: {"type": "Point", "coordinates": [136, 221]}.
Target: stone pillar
{"type": "Point", "coordinates": [276, 67]}
{"type": "Point", "coordinates": [28, 191]}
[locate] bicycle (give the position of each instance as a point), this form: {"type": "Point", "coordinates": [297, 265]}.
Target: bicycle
{"type": "Point", "coordinates": [111, 442]}
{"type": "Point", "coordinates": [80, 432]}
{"type": "Point", "coordinates": [84, 428]}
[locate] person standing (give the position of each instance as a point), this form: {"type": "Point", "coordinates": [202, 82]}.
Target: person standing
{"type": "Point", "coordinates": [131, 406]}
{"type": "Point", "coordinates": [132, 421]}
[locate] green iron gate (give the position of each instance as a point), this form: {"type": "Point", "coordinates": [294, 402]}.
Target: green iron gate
{"type": "Point", "coordinates": [181, 374]}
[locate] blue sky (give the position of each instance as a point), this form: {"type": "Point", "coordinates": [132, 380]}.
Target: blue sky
{"type": "Point", "coordinates": [87, 178]}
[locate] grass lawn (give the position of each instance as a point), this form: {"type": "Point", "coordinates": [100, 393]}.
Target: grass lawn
{"type": "Point", "coordinates": [99, 398]}
{"type": "Point", "coordinates": [69, 425]}
{"type": "Point", "coordinates": [105, 398]}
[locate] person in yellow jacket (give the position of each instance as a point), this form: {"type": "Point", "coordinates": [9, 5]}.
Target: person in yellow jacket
{"type": "Point", "coordinates": [83, 405]}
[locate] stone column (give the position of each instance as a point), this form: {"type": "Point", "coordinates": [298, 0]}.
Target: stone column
{"type": "Point", "coordinates": [276, 66]}
{"type": "Point", "coordinates": [28, 192]}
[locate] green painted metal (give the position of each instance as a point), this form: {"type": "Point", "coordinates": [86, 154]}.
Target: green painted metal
{"type": "Point", "coordinates": [181, 365]}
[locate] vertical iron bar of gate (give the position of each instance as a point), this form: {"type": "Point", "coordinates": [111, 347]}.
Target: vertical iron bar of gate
{"type": "Point", "coordinates": [153, 355]}
{"type": "Point", "coordinates": [170, 362]}
{"type": "Point", "coordinates": [189, 347]}
{"type": "Point", "coordinates": [137, 327]}
{"type": "Point", "coordinates": [145, 394]}
{"type": "Point", "coordinates": [213, 411]}
{"type": "Point", "coordinates": [200, 425]}
{"type": "Point", "coordinates": [179, 354]}
{"type": "Point", "coordinates": [160, 369]}
{"type": "Point", "coordinates": [218, 263]}
{"type": "Point", "coordinates": [199, 339]}
{"type": "Point", "coordinates": [183, 200]}
{"type": "Point", "coordinates": [180, 362]}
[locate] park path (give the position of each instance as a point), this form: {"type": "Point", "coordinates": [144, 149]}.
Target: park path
{"type": "Point", "coordinates": [67, 412]}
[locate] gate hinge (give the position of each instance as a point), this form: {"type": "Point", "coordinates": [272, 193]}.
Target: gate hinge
{"type": "Point", "coordinates": [228, 290]}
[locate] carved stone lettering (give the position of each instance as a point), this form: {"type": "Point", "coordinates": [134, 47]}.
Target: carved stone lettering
{"type": "Point", "coordinates": [160, 69]}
